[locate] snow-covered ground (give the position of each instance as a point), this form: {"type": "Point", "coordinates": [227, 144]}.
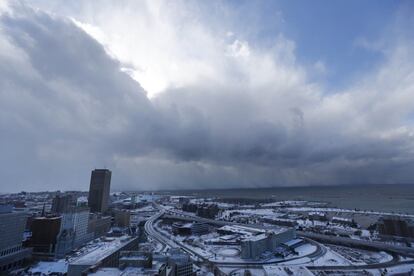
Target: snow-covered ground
{"type": "Point", "coordinates": [258, 212]}
{"type": "Point", "coordinates": [305, 249]}
{"type": "Point", "coordinates": [331, 258]}
{"type": "Point", "coordinates": [361, 257]}
{"type": "Point", "coordinates": [339, 210]}
{"type": "Point", "coordinates": [49, 268]}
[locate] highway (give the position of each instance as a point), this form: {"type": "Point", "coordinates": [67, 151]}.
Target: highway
{"type": "Point", "coordinates": [151, 231]}
{"type": "Point", "coordinates": [310, 237]}
{"type": "Point", "coordinates": [371, 245]}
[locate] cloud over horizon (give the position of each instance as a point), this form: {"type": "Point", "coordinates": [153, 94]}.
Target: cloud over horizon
{"type": "Point", "coordinates": [223, 111]}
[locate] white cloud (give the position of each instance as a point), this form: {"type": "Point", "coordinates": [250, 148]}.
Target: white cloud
{"type": "Point", "coordinates": [238, 49]}
{"type": "Point", "coordinates": [320, 67]}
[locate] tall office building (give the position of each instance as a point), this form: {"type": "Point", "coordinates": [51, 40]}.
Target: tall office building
{"type": "Point", "coordinates": [73, 231]}
{"type": "Point", "coordinates": [99, 190]}
{"type": "Point", "coordinates": [45, 236]}
{"type": "Point", "coordinates": [12, 225]}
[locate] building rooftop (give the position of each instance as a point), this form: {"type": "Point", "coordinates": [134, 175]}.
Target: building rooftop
{"type": "Point", "coordinates": [129, 271]}
{"type": "Point", "coordinates": [106, 247]}
{"type": "Point", "coordinates": [49, 268]}
{"type": "Point", "coordinates": [256, 237]}
{"type": "Point", "coordinates": [342, 219]}
{"type": "Point", "coordinates": [287, 270]}
{"type": "Point", "coordinates": [293, 242]}
{"type": "Point", "coordinates": [251, 231]}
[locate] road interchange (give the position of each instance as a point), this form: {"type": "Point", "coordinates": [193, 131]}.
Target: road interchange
{"type": "Point", "coordinates": [321, 250]}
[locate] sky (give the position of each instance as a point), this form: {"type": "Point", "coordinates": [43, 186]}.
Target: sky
{"type": "Point", "coordinates": [206, 94]}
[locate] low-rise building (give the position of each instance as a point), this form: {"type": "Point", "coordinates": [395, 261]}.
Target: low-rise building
{"type": "Point", "coordinates": [280, 221]}
{"type": "Point", "coordinates": [105, 255]}
{"type": "Point", "coordinates": [207, 211]}
{"type": "Point", "coordinates": [122, 218]}
{"type": "Point", "coordinates": [99, 225]}
{"type": "Point", "coordinates": [395, 226]}
{"type": "Point", "coordinates": [252, 247]}
{"type": "Point", "coordinates": [343, 221]}
{"type": "Point", "coordinates": [317, 216]}
{"type": "Point", "coordinates": [179, 264]}
{"type": "Point", "coordinates": [194, 228]}
{"type": "Point", "coordinates": [135, 259]}
{"type": "Point", "coordinates": [271, 270]}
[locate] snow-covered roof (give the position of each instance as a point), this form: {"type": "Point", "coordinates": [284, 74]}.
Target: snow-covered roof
{"type": "Point", "coordinates": [287, 270]}
{"type": "Point", "coordinates": [105, 248]}
{"type": "Point", "coordinates": [293, 242]}
{"type": "Point", "coordinates": [47, 268]}
{"type": "Point", "coordinates": [342, 219]}
{"type": "Point", "coordinates": [256, 238]}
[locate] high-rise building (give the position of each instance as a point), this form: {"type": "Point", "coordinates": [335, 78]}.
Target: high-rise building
{"type": "Point", "coordinates": [12, 226]}
{"type": "Point", "coordinates": [61, 203]}
{"type": "Point", "coordinates": [45, 234]}
{"type": "Point", "coordinates": [99, 190]}
{"type": "Point", "coordinates": [73, 231]}
{"type": "Point", "coordinates": [81, 224]}
{"type": "Point", "coordinates": [66, 236]}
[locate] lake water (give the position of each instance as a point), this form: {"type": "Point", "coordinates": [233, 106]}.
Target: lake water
{"type": "Point", "coordinates": [390, 198]}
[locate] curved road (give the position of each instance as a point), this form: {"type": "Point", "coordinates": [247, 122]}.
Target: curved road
{"type": "Point", "coordinates": [321, 250]}
{"type": "Point", "coordinates": [151, 231]}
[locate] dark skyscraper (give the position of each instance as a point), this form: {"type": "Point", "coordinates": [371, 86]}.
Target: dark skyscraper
{"type": "Point", "coordinates": [99, 190]}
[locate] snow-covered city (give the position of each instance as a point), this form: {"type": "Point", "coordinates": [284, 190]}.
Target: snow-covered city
{"type": "Point", "coordinates": [130, 233]}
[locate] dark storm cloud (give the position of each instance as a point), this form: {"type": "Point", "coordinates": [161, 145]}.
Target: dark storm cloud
{"type": "Point", "coordinates": [66, 108]}
{"type": "Point", "coordinates": [65, 105]}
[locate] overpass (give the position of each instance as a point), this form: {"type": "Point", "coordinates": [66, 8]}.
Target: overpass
{"type": "Point", "coordinates": [363, 244]}
{"type": "Point", "coordinates": [310, 237]}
